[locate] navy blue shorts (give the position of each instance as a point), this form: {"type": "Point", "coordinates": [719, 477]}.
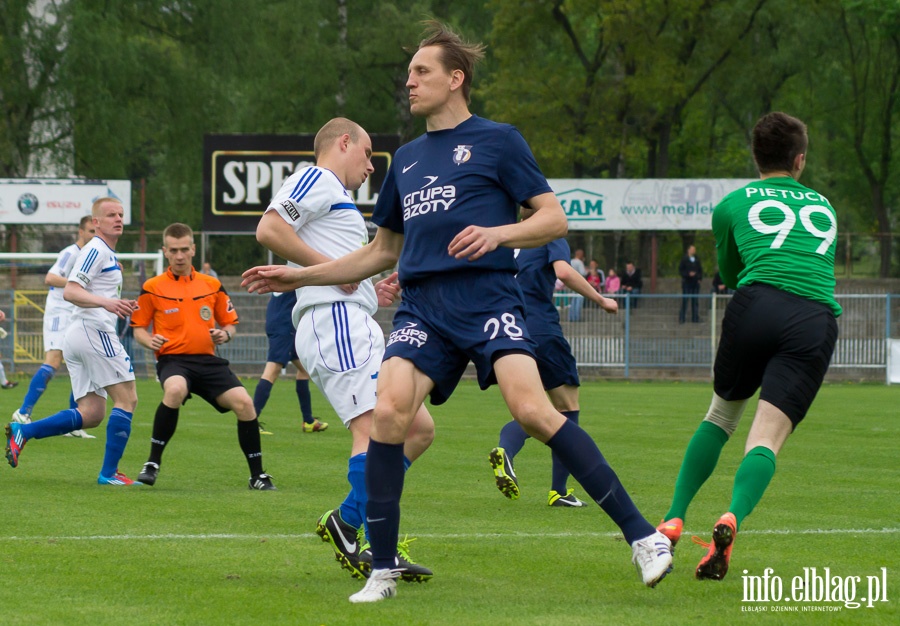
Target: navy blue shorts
{"type": "Point", "coordinates": [777, 342]}
{"type": "Point", "coordinates": [280, 329]}
{"type": "Point", "coordinates": [451, 319]}
{"type": "Point", "coordinates": [555, 361]}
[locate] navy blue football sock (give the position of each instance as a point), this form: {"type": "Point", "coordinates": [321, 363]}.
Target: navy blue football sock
{"type": "Point", "coordinates": [578, 452]}
{"type": "Point", "coordinates": [72, 403]}
{"type": "Point", "coordinates": [384, 484]}
{"type": "Point", "coordinates": [36, 388]}
{"type": "Point", "coordinates": [118, 430]}
{"type": "Point", "coordinates": [57, 424]}
{"type": "Point", "coordinates": [512, 438]}
{"type": "Point", "coordinates": [353, 508]}
{"type": "Point", "coordinates": [164, 424]}
{"type": "Point", "coordinates": [261, 395]}
{"type": "Point", "coordinates": [559, 475]}
{"type": "Point", "coordinates": [305, 399]}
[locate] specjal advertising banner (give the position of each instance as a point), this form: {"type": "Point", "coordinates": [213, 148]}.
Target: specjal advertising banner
{"type": "Point", "coordinates": [241, 173]}
{"type": "Point", "coordinates": [642, 204]}
{"type": "Point", "coordinates": [57, 200]}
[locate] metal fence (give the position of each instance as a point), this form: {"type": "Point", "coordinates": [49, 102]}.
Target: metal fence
{"type": "Point", "coordinates": [644, 340]}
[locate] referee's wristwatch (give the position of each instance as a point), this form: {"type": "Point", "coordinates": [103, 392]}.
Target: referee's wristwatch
{"type": "Point", "coordinates": [229, 336]}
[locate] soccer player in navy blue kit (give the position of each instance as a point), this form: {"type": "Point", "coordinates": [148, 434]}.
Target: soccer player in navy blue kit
{"type": "Point", "coordinates": [448, 212]}
{"type": "Point", "coordinates": [280, 331]}
{"type": "Point", "coordinates": [538, 270]}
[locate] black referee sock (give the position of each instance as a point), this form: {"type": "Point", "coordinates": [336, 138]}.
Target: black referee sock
{"type": "Point", "coordinates": [164, 423]}
{"type": "Point", "coordinates": [248, 437]}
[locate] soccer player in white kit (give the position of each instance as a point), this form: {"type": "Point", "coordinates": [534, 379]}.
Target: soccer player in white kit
{"type": "Point", "coordinates": [98, 364]}
{"type": "Point", "coordinates": [56, 320]}
{"type": "Point", "coordinates": [311, 220]}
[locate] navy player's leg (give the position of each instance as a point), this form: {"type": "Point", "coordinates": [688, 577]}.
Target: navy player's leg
{"type": "Point", "coordinates": [402, 388]}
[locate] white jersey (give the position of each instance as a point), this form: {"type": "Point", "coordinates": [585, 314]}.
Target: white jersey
{"type": "Point", "coordinates": [322, 213]}
{"type": "Point", "coordinates": [56, 305]}
{"type": "Point", "coordinates": [97, 270]}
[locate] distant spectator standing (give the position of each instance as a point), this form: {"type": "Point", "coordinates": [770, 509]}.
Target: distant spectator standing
{"type": "Point", "coordinates": [4, 383]}
{"type": "Point", "coordinates": [691, 271]}
{"type": "Point", "coordinates": [208, 270]}
{"type": "Point", "coordinates": [632, 283]}
{"type": "Point", "coordinates": [718, 285]}
{"type": "Point", "coordinates": [578, 262]}
{"type": "Point", "coordinates": [613, 282]}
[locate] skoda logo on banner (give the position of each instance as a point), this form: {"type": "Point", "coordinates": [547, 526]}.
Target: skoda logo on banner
{"type": "Point", "coordinates": [28, 204]}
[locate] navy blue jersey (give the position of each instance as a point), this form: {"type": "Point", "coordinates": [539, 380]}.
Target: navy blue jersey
{"type": "Point", "coordinates": [278, 314]}
{"type": "Point", "coordinates": [438, 184]}
{"type": "Point", "coordinates": [537, 279]}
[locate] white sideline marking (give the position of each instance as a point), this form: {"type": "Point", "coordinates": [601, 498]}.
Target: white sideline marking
{"type": "Point", "coordinates": [171, 537]}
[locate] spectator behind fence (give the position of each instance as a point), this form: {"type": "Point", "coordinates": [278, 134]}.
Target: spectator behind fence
{"type": "Point", "coordinates": [578, 262]}
{"type": "Point", "coordinates": [208, 270]}
{"type": "Point", "coordinates": [613, 282]}
{"type": "Point", "coordinates": [632, 283]}
{"type": "Point", "coordinates": [691, 271]}
{"type": "Point", "coordinates": [718, 285]}
{"type": "Point", "coordinates": [595, 277]}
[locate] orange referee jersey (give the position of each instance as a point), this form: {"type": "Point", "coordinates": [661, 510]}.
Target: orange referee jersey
{"type": "Point", "coordinates": [184, 309]}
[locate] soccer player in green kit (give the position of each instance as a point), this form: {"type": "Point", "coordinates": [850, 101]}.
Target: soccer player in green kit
{"type": "Point", "coordinates": [775, 240]}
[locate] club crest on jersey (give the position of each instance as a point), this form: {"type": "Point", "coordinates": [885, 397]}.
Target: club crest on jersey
{"type": "Point", "coordinates": [461, 154]}
{"type": "Point", "coordinates": [205, 313]}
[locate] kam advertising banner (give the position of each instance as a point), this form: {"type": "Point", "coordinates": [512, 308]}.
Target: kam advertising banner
{"type": "Point", "coordinates": [241, 173]}
{"type": "Point", "coordinates": [642, 204]}
{"type": "Point", "coordinates": [57, 200]}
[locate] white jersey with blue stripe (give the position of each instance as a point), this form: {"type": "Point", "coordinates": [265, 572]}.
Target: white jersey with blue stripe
{"type": "Point", "coordinates": [57, 305]}
{"type": "Point", "coordinates": [97, 270]}
{"type": "Point", "coordinates": [322, 213]}
{"type": "Point", "coordinates": [477, 173]}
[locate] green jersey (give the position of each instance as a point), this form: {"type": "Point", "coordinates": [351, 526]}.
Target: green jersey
{"type": "Point", "coordinates": [781, 233]}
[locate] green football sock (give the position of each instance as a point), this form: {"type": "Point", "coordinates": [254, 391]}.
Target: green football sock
{"type": "Point", "coordinates": [700, 460]}
{"type": "Point", "coordinates": [751, 480]}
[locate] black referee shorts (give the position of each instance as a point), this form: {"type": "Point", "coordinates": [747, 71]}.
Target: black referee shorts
{"type": "Point", "coordinates": [207, 376]}
{"type": "Point", "coordinates": [777, 342]}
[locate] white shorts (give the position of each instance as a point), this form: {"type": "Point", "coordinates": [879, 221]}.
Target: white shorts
{"type": "Point", "coordinates": [55, 331]}
{"type": "Point", "coordinates": [95, 359]}
{"type": "Point", "coordinates": [341, 346]}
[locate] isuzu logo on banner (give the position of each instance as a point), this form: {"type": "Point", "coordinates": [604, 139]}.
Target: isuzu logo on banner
{"type": "Point", "coordinates": [642, 204]}
{"type": "Point", "coordinates": [57, 200]}
{"type": "Point", "coordinates": [241, 173]}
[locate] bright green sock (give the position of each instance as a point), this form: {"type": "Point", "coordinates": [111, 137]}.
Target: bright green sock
{"type": "Point", "coordinates": [751, 480]}
{"type": "Point", "coordinates": [700, 460]}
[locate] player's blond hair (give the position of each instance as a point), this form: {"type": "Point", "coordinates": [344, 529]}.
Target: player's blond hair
{"type": "Point", "coordinates": [333, 129]}
{"type": "Point", "coordinates": [456, 54]}
{"type": "Point", "coordinates": [95, 208]}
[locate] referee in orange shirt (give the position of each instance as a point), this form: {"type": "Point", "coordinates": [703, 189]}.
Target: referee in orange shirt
{"type": "Point", "coordinates": [184, 307]}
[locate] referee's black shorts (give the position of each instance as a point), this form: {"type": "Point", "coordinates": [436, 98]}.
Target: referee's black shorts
{"type": "Point", "coordinates": [207, 376]}
{"type": "Point", "coordinates": [777, 342]}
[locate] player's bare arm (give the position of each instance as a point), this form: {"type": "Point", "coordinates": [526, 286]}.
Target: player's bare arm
{"type": "Point", "coordinates": [79, 296]}
{"type": "Point", "coordinates": [150, 341]}
{"type": "Point", "coordinates": [55, 280]}
{"type": "Point", "coordinates": [579, 284]}
{"type": "Point", "coordinates": [379, 255]}
{"type": "Point", "coordinates": [388, 290]}
{"type": "Point", "coordinates": [547, 223]}
{"type": "Point", "coordinates": [279, 237]}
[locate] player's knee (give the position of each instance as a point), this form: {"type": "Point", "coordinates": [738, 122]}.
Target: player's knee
{"type": "Point", "coordinates": [243, 408]}
{"type": "Point", "coordinates": [726, 414]}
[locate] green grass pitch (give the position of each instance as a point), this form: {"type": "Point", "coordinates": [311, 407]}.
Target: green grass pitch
{"type": "Point", "coordinates": [200, 548]}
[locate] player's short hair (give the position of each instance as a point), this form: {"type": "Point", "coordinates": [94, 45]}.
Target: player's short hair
{"type": "Point", "coordinates": [776, 140]}
{"type": "Point", "coordinates": [84, 222]}
{"type": "Point", "coordinates": [177, 231]}
{"type": "Point", "coordinates": [333, 129]}
{"type": "Point", "coordinates": [95, 208]}
{"type": "Point", "coordinates": [456, 54]}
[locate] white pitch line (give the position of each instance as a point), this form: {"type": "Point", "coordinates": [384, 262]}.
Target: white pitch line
{"type": "Point", "coordinates": [178, 537]}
